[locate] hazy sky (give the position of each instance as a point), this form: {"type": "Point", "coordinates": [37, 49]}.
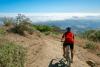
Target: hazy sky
{"type": "Point", "coordinates": [49, 6]}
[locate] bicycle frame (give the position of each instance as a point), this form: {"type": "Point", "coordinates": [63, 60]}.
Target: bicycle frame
{"type": "Point", "coordinates": [68, 55]}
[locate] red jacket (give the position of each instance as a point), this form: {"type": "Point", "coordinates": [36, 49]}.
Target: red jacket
{"type": "Point", "coordinates": [69, 37]}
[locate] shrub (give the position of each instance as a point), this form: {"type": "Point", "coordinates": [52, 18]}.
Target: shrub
{"type": "Point", "coordinates": [21, 27]}
{"type": "Point", "coordinates": [93, 35]}
{"type": "Point", "coordinates": [56, 29]}
{"type": "Point", "coordinates": [22, 24]}
{"type": "Point", "coordinates": [90, 45]}
{"type": "Point", "coordinates": [7, 21]}
{"type": "Point", "coordinates": [87, 33]}
{"type": "Point", "coordinates": [47, 29]}
{"type": "Point", "coordinates": [11, 55]}
{"type": "Point", "coordinates": [2, 31]}
{"type": "Point", "coordinates": [97, 35]}
{"type": "Point", "coordinates": [47, 33]}
{"type": "Point", "coordinates": [43, 28]}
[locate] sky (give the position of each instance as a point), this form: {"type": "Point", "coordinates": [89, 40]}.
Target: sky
{"type": "Point", "coordinates": [46, 10]}
{"type": "Point", "coordinates": [49, 6]}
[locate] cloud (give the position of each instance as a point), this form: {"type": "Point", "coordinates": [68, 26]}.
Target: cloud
{"type": "Point", "coordinates": [42, 17]}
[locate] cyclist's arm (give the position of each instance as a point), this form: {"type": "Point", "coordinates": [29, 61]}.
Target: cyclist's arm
{"type": "Point", "coordinates": [62, 39]}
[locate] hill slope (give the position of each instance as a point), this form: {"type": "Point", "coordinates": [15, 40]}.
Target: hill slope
{"type": "Point", "coordinates": [46, 51]}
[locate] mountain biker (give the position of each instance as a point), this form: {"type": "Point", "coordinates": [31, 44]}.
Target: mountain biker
{"type": "Point", "coordinates": [68, 38]}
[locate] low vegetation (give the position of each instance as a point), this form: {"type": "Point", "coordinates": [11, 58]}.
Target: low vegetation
{"type": "Point", "coordinates": [8, 21]}
{"type": "Point", "coordinates": [47, 29]}
{"type": "Point", "coordinates": [93, 35]}
{"type": "Point", "coordinates": [2, 32]}
{"type": "Point", "coordinates": [22, 24]}
{"type": "Point", "coordinates": [92, 38]}
{"type": "Point", "coordinates": [11, 55]}
{"type": "Point", "coordinates": [21, 28]}
{"type": "Point", "coordinates": [19, 25]}
{"type": "Point", "coordinates": [90, 45]}
{"type": "Point", "coordinates": [43, 28]}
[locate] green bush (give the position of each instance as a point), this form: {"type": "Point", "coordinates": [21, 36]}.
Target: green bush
{"type": "Point", "coordinates": [11, 55]}
{"type": "Point", "coordinates": [43, 28]}
{"type": "Point", "coordinates": [2, 31]}
{"type": "Point", "coordinates": [47, 29]}
{"type": "Point", "coordinates": [56, 29]}
{"type": "Point", "coordinates": [90, 45]}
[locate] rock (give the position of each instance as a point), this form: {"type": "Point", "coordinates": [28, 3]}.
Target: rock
{"type": "Point", "coordinates": [91, 63]}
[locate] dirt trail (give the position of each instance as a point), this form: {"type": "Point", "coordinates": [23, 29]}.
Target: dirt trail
{"type": "Point", "coordinates": [54, 51]}
{"type": "Point", "coordinates": [46, 51]}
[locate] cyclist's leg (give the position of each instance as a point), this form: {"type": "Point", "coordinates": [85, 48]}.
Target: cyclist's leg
{"type": "Point", "coordinates": [72, 54]}
{"type": "Point", "coordinates": [64, 49]}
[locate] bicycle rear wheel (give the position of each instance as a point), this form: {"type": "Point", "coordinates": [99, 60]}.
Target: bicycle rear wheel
{"type": "Point", "coordinates": [68, 56]}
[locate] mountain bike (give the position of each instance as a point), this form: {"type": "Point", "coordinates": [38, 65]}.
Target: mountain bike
{"type": "Point", "coordinates": [68, 55]}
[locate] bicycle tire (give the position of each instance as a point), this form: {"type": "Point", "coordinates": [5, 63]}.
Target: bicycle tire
{"type": "Point", "coordinates": [68, 56]}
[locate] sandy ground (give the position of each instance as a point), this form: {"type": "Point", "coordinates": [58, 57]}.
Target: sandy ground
{"type": "Point", "coordinates": [45, 51]}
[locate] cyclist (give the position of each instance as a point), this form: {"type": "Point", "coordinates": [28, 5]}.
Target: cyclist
{"type": "Point", "coordinates": [68, 38]}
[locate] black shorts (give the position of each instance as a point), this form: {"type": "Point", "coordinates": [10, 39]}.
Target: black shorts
{"type": "Point", "coordinates": [71, 45]}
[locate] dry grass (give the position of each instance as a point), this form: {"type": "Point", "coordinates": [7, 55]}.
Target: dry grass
{"type": "Point", "coordinates": [11, 55]}
{"type": "Point", "coordinates": [91, 46]}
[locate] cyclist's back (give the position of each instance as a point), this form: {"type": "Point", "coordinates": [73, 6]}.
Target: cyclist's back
{"type": "Point", "coordinates": [69, 37]}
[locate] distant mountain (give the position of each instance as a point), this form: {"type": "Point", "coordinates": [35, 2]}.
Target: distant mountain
{"type": "Point", "coordinates": [78, 25]}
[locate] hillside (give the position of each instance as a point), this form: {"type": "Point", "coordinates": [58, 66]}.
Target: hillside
{"type": "Point", "coordinates": [46, 51]}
